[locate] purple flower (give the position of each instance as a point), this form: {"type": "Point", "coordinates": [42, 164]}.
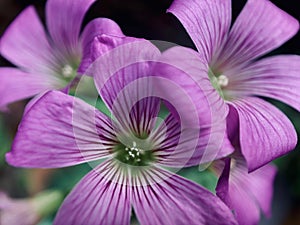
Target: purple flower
{"type": "Point", "coordinates": [47, 62]}
{"type": "Point", "coordinates": [28, 211]}
{"type": "Point", "coordinates": [246, 193]}
{"type": "Point", "coordinates": [61, 130]}
{"type": "Point", "coordinates": [236, 183]}
{"type": "Point", "coordinates": [239, 77]}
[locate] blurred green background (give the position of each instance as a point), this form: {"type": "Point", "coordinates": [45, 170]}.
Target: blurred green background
{"type": "Point", "coordinates": [145, 19]}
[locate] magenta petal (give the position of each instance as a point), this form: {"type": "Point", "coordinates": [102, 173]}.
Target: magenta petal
{"type": "Point", "coordinates": [97, 200]}
{"type": "Point", "coordinates": [171, 199]}
{"type": "Point", "coordinates": [265, 132]}
{"type": "Point", "coordinates": [260, 28]}
{"type": "Point", "coordinates": [196, 105]}
{"type": "Point", "coordinates": [206, 21]}
{"type": "Point", "coordinates": [17, 85]}
{"type": "Point", "coordinates": [26, 45]}
{"type": "Point", "coordinates": [274, 77]}
{"type": "Point", "coordinates": [261, 185]}
{"type": "Point", "coordinates": [255, 189]}
{"type": "Point", "coordinates": [105, 47]}
{"type": "Point", "coordinates": [122, 73]}
{"type": "Point", "coordinates": [168, 136]}
{"type": "Point", "coordinates": [96, 27]}
{"type": "Point", "coordinates": [64, 18]}
{"type": "Point", "coordinates": [60, 130]}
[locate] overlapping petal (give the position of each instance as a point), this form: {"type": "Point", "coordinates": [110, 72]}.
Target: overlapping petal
{"type": "Point", "coordinates": [268, 28]}
{"type": "Point", "coordinates": [125, 85]}
{"type": "Point", "coordinates": [206, 21]}
{"type": "Point", "coordinates": [17, 85]}
{"type": "Point", "coordinates": [255, 189]}
{"type": "Point", "coordinates": [265, 132]}
{"type": "Point", "coordinates": [172, 200]}
{"type": "Point", "coordinates": [64, 19]}
{"type": "Point", "coordinates": [60, 130]}
{"type": "Point", "coordinates": [97, 199]}
{"type": "Point", "coordinates": [97, 27]}
{"type": "Point", "coordinates": [274, 77]}
{"type": "Point", "coordinates": [196, 105]}
{"type": "Point", "coordinates": [26, 44]}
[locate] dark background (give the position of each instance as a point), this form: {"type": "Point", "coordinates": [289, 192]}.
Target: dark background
{"type": "Point", "coordinates": [141, 18]}
{"type": "Point", "coordinates": [148, 19]}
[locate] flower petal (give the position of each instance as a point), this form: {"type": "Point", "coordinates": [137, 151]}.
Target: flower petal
{"type": "Point", "coordinates": [17, 85]}
{"type": "Point", "coordinates": [64, 18]}
{"type": "Point", "coordinates": [196, 106]}
{"type": "Point", "coordinates": [110, 78]}
{"type": "Point", "coordinates": [274, 77]}
{"type": "Point", "coordinates": [260, 28]}
{"type": "Point", "coordinates": [265, 132]}
{"type": "Point", "coordinates": [256, 190]}
{"type": "Point", "coordinates": [60, 130]}
{"type": "Point", "coordinates": [171, 199]}
{"type": "Point", "coordinates": [96, 27]}
{"type": "Point", "coordinates": [206, 21]}
{"type": "Point", "coordinates": [97, 200]}
{"type": "Point", "coordinates": [26, 44]}
{"type": "Point", "coordinates": [174, 147]}
{"type": "Point", "coordinates": [122, 71]}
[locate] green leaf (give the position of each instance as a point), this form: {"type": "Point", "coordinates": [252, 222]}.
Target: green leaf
{"type": "Point", "coordinates": [5, 141]}
{"type": "Point", "coordinates": [205, 178]}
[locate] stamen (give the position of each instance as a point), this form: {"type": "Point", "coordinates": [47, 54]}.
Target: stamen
{"type": "Point", "coordinates": [134, 154]}
{"type": "Point", "coordinates": [67, 71]}
{"type": "Point", "coordinates": [223, 80]}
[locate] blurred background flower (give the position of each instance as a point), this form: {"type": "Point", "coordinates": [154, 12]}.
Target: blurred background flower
{"type": "Point", "coordinates": [28, 211]}
{"type": "Point", "coordinates": [145, 19]}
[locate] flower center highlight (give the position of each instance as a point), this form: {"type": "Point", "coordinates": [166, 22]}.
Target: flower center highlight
{"type": "Point", "coordinates": [68, 72]}
{"type": "Point", "coordinates": [219, 82]}
{"type": "Point", "coordinates": [133, 155]}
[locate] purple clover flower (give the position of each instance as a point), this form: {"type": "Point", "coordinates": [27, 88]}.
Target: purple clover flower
{"type": "Point", "coordinates": [60, 130]}
{"type": "Point", "coordinates": [240, 77]}
{"type": "Point", "coordinates": [47, 62]}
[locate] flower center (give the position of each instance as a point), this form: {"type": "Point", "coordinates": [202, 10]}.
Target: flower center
{"type": "Point", "coordinates": [219, 82]}
{"type": "Point", "coordinates": [222, 81]}
{"type": "Point", "coordinates": [68, 72]}
{"type": "Point", "coordinates": [133, 155]}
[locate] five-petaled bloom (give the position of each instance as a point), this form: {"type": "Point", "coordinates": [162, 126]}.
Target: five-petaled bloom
{"type": "Point", "coordinates": [258, 131]}
{"type": "Point", "coordinates": [232, 54]}
{"type": "Point", "coordinates": [47, 62]}
{"type": "Point", "coordinates": [61, 130]}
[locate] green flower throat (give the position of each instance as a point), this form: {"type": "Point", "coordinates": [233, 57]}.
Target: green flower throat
{"type": "Point", "coordinates": [219, 82]}
{"type": "Point", "coordinates": [133, 155]}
